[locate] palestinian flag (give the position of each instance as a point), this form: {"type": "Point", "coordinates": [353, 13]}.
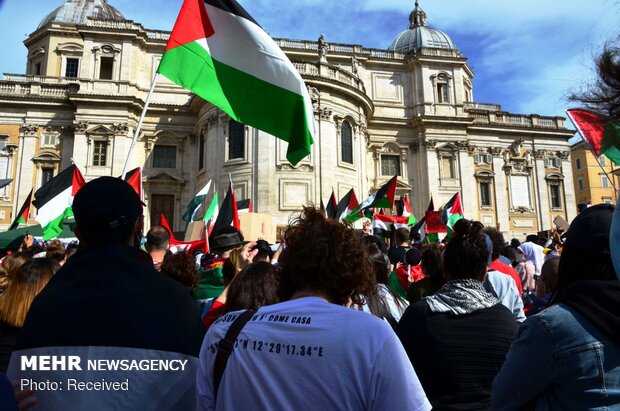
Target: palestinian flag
{"type": "Point", "coordinates": [217, 51]}
{"type": "Point", "coordinates": [420, 226]}
{"type": "Point", "coordinates": [384, 198]}
{"type": "Point", "coordinates": [346, 205]}
{"type": "Point", "coordinates": [54, 199]}
{"type": "Point", "coordinates": [244, 206]}
{"type": "Point", "coordinates": [178, 246]}
{"type": "Point", "coordinates": [602, 134]}
{"type": "Point", "coordinates": [210, 216]}
{"type": "Point", "coordinates": [228, 214]}
{"type": "Point", "coordinates": [452, 212]}
{"type": "Point", "coordinates": [382, 223]}
{"type": "Point", "coordinates": [194, 205]}
{"type": "Point", "coordinates": [134, 179]}
{"type": "Point", "coordinates": [22, 216]}
{"type": "Point", "coordinates": [406, 211]}
{"type": "Point", "coordinates": [331, 210]}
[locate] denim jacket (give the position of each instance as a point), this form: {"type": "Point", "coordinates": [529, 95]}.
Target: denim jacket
{"type": "Point", "coordinates": [563, 362]}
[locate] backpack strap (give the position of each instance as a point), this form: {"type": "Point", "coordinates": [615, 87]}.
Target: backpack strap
{"type": "Point", "coordinates": [227, 345]}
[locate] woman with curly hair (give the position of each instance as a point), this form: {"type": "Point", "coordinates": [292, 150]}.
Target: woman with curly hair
{"type": "Point", "coordinates": [457, 339]}
{"type": "Point", "coordinates": [311, 342]}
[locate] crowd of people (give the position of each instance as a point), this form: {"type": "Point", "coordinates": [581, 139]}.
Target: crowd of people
{"type": "Point", "coordinates": [333, 313]}
{"type": "Point", "coordinates": [328, 318]}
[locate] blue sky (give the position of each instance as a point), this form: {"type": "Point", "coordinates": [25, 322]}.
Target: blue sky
{"type": "Point", "coordinates": [527, 55]}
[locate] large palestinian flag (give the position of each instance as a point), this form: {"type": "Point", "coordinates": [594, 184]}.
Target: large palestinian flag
{"type": "Point", "coordinates": [22, 216]}
{"type": "Point", "coordinates": [331, 210]}
{"type": "Point", "coordinates": [54, 199]}
{"type": "Point", "coordinates": [217, 51]}
{"type": "Point", "coordinates": [194, 205]}
{"type": "Point", "coordinates": [227, 215]}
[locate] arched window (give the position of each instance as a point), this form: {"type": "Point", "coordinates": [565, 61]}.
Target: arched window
{"type": "Point", "coordinates": [346, 141]}
{"type": "Point", "coordinates": [236, 140]}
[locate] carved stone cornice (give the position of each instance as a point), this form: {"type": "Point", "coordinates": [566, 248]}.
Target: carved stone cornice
{"type": "Point", "coordinates": [212, 120]}
{"type": "Point", "coordinates": [29, 129]}
{"type": "Point", "coordinates": [564, 154]}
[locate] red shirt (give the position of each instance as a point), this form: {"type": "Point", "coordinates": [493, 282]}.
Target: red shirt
{"type": "Point", "coordinates": [415, 274]}
{"type": "Point", "coordinates": [215, 312]}
{"type": "Point", "coordinates": [497, 265]}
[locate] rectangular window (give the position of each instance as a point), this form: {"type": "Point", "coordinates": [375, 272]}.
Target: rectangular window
{"type": "Point", "coordinates": [390, 165]}
{"type": "Point", "coordinates": [442, 93]}
{"type": "Point", "coordinates": [485, 194]}
{"type": "Point", "coordinates": [106, 67]}
{"type": "Point", "coordinates": [71, 70]}
{"type": "Point", "coordinates": [236, 140]}
{"type": "Point", "coordinates": [601, 161]}
{"type": "Point", "coordinates": [46, 175]}
{"type": "Point", "coordinates": [556, 197]}
{"type": "Point", "coordinates": [37, 68]}
{"type": "Point", "coordinates": [447, 167]}
{"type": "Point", "coordinates": [48, 140]}
{"type": "Point", "coordinates": [165, 157]}
{"type": "Point", "coordinates": [604, 182]}
{"type": "Point", "coordinates": [100, 151]}
{"type": "Point", "coordinates": [580, 184]}
{"type": "Point", "coordinates": [578, 164]}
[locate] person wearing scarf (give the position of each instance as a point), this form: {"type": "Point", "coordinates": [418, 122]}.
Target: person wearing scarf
{"type": "Point", "coordinates": [457, 339]}
{"type": "Point", "coordinates": [568, 356]}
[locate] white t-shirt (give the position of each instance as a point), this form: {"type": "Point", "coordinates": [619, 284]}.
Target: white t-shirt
{"type": "Point", "coordinates": [309, 354]}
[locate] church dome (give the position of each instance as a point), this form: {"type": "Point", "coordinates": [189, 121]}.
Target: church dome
{"type": "Point", "coordinates": [420, 35]}
{"type": "Point", "coordinates": [78, 11]}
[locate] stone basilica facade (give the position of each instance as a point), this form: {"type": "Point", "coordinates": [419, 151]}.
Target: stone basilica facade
{"type": "Point", "coordinates": [407, 110]}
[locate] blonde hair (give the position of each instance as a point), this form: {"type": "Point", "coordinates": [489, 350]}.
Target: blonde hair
{"type": "Point", "coordinates": [25, 284]}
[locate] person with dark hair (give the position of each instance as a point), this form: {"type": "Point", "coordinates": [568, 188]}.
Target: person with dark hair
{"type": "Point", "coordinates": [401, 243]}
{"type": "Point", "coordinates": [323, 270]}
{"type": "Point", "coordinates": [108, 301]}
{"type": "Point", "coordinates": [496, 265]}
{"type": "Point", "coordinates": [255, 286]}
{"type": "Point", "coordinates": [457, 339]}
{"type": "Point", "coordinates": [25, 284]}
{"type": "Point", "coordinates": [382, 302]}
{"type": "Point", "coordinates": [545, 287]}
{"type": "Point", "coordinates": [71, 250]}
{"type": "Point", "coordinates": [157, 245]}
{"type": "Point", "coordinates": [378, 241]}
{"type": "Point", "coordinates": [264, 251]}
{"type": "Point", "coordinates": [515, 243]}
{"type": "Point", "coordinates": [433, 280]}
{"type": "Point", "coordinates": [575, 343]}
{"type": "Point", "coordinates": [181, 267]}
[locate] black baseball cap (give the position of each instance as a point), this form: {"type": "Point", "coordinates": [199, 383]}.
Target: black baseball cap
{"type": "Point", "coordinates": [106, 204]}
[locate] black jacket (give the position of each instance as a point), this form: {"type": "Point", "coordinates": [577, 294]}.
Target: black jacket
{"type": "Point", "coordinates": [112, 296]}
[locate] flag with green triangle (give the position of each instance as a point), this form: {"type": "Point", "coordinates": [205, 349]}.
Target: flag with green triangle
{"type": "Point", "coordinates": [22, 216]}
{"type": "Point", "coordinates": [383, 198]}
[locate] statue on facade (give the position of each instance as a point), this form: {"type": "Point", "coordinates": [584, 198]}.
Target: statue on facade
{"type": "Point", "coordinates": [355, 65]}
{"type": "Point", "coordinates": [322, 49]}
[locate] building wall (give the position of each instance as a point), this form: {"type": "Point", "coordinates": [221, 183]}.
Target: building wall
{"type": "Point", "coordinates": [591, 173]}
{"type": "Point", "coordinates": [389, 99]}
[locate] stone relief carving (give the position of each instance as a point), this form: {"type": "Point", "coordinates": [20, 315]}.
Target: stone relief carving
{"type": "Point", "coordinates": [563, 155]}
{"type": "Point", "coordinates": [430, 144]}
{"type": "Point", "coordinates": [120, 128]}
{"type": "Point", "coordinates": [29, 129]}
{"type": "Point", "coordinates": [81, 126]}
{"type": "Point", "coordinates": [300, 167]}
{"type": "Point", "coordinates": [516, 147]}
{"type": "Point", "coordinates": [540, 154]}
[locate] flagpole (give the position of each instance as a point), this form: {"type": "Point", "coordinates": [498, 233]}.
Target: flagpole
{"type": "Point", "coordinates": [137, 132]}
